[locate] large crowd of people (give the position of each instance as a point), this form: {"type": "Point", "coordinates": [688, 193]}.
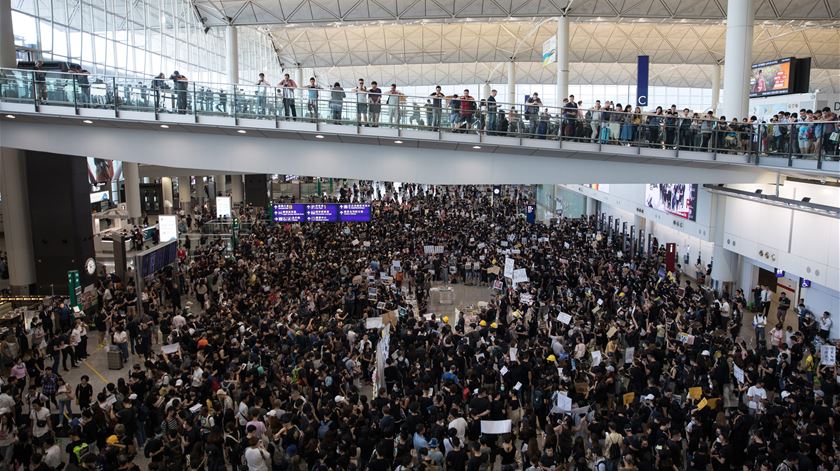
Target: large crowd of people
{"type": "Point", "coordinates": [311, 347]}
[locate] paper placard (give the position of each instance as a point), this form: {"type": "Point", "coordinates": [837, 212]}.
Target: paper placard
{"type": "Point", "coordinates": [481, 245]}
{"type": "Point", "coordinates": [712, 401]}
{"type": "Point", "coordinates": [685, 338]}
{"type": "Point", "coordinates": [629, 398]}
{"type": "Point", "coordinates": [508, 267]}
{"type": "Point", "coordinates": [171, 348]}
{"type": "Point", "coordinates": [596, 358]}
{"type": "Point", "coordinates": [629, 354]}
{"type": "Point", "coordinates": [526, 299]}
{"type": "Point", "coordinates": [111, 400]}
{"type": "Point", "coordinates": [695, 392]}
{"type": "Point", "coordinates": [355, 242]}
{"type": "Point", "coordinates": [520, 275]}
{"type": "Point", "coordinates": [517, 386]}
{"type": "Point", "coordinates": [564, 318]}
{"type": "Point", "coordinates": [373, 322]}
{"type": "Point", "coordinates": [495, 427]}
{"type": "Point", "coordinates": [703, 403]}
{"type": "Point", "coordinates": [503, 371]}
{"type": "Point", "coordinates": [512, 353]}
{"type": "Point", "coordinates": [380, 305]}
{"type": "Point", "coordinates": [366, 243]}
{"type": "Point", "coordinates": [195, 408]}
{"type": "Point", "coordinates": [739, 373]}
{"type": "Point", "coordinates": [494, 270]}
{"type": "Point", "coordinates": [563, 403]}
{"type": "Point", "coordinates": [613, 330]}
{"type": "Point", "coordinates": [828, 355]}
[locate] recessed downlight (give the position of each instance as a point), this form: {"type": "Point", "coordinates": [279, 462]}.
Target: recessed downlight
{"type": "Point", "coordinates": [476, 147]}
{"type": "Point", "coordinates": [164, 126]}
{"type": "Point", "coordinates": [87, 121]}
{"type": "Point", "coordinates": [319, 136]}
{"type": "Point", "coordinates": [242, 131]}
{"type": "Point", "coordinates": [398, 142]}
{"type": "Point", "coordinates": [10, 116]}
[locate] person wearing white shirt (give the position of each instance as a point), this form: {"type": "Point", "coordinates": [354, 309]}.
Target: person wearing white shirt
{"type": "Point", "coordinates": [825, 325]}
{"type": "Point", "coordinates": [759, 323]}
{"type": "Point", "coordinates": [458, 423]}
{"type": "Point", "coordinates": [52, 455]}
{"type": "Point", "coordinates": [178, 322]}
{"type": "Point", "coordinates": [256, 457]}
{"type": "Point", "coordinates": [756, 396]}
{"type": "Point", "coordinates": [766, 298]}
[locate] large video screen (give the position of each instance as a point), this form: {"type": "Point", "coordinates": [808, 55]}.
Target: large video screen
{"type": "Point", "coordinates": [102, 173]}
{"type": "Point", "coordinates": [679, 199]}
{"type": "Point", "coordinates": [771, 78]}
{"type": "Point", "coordinates": [329, 212]}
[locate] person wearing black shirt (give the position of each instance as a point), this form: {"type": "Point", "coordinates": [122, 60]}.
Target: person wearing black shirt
{"type": "Point", "coordinates": [492, 110]}
{"type": "Point", "coordinates": [456, 459]}
{"type": "Point", "coordinates": [437, 104]}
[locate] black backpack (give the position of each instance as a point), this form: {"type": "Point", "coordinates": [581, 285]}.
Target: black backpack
{"type": "Point", "coordinates": [614, 452]}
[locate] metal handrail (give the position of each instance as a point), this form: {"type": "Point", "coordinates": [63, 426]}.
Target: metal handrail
{"type": "Point", "coordinates": [342, 106]}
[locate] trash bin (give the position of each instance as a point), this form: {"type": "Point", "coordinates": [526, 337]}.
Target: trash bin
{"type": "Point", "coordinates": [115, 361]}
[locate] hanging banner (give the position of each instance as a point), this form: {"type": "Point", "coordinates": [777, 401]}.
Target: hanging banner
{"type": "Point", "coordinates": [550, 50]}
{"type": "Point", "coordinates": [642, 76]}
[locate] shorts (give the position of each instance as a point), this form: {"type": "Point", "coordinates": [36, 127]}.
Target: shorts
{"type": "Point", "coordinates": [361, 108]}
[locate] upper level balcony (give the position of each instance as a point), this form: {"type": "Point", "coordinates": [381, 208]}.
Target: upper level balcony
{"type": "Point", "coordinates": [405, 138]}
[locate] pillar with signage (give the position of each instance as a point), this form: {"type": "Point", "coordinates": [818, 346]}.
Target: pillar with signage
{"type": "Point", "coordinates": [670, 256]}
{"type": "Point", "coordinates": [74, 287]}
{"type": "Point", "coordinates": [642, 74]}
{"type": "Point", "coordinates": [531, 213]}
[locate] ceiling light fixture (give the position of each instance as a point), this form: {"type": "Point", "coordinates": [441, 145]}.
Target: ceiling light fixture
{"type": "Point", "coordinates": [87, 121]}
{"type": "Point", "coordinates": [476, 147]}
{"type": "Point", "coordinates": [242, 131]}
{"type": "Point", "coordinates": [164, 126]}
{"type": "Point", "coordinates": [10, 116]}
{"type": "Point", "coordinates": [398, 142]}
{"type": "Point", "coordinates": [319, 136]}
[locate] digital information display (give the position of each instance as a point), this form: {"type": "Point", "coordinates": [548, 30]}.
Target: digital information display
{"type": "Point", "coordinates": [159, 258]}
{"type": "Point", "coordinates": [330, 212]}
{"type": "Point", "coordinates": [354, 212]}
{"type": "Point", "coordinates": [321, 213]}
{"type": "Point", "coordinates": [289, 212]}
{"type": "Point", "coordinates": [770, 78]}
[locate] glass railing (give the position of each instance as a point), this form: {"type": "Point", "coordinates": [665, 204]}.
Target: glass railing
{"type": "Point", "coordinates": [811, 139]}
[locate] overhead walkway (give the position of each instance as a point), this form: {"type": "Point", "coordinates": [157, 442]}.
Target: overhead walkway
{"type": "Point", "coordinates": [245, 129]}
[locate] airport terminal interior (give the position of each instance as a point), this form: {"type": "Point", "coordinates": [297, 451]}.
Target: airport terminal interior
{"type": "Point", "coordinates": [419, 235]}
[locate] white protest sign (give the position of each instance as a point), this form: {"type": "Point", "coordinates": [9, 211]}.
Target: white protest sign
{"type": "Point", "coordinates": [508, 273]}
{"type": "Point", "coordinates": [171, 348]}
{"type": "Point", "coordinates": [517, 386]}
{"type": "Point", "coordinates": [366, 243]}
{"type": "Point", "coordinates": [512, 353]}
{"type": "Point", "coordinates": [495, 427]}
{"type": "Point", "coordinates": [373, 322]}
{"type": "Point", "coordinates": [628, 354]}
{"type": "Point", "coordinates": [596, 358]}
{"type": "Point", "coordinates": [520, 276]}
{"type": "Point", "coordinates": [738, 372]}
{"type": "Point", "coordinates": [527, 299]}
{"type": "Point", "coordinates": [195, 408]}
{"type": "Point", "coordinates": [564, 318]}
{"type": "Point", "coordinates": [828, 355]}
{"type": "Point", "coordinates": [504, 370]}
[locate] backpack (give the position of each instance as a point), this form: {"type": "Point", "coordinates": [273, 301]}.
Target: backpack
{"type": "Point", "coordinates": [81, 450]}
{"type": "Point", "coordinates": [538, 398]}
{"type": "Point", "coordinates": [614, 451]}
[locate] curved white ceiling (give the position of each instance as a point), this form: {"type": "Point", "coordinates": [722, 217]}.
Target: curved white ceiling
{"type": "Point", "coordinates": [266, 12]}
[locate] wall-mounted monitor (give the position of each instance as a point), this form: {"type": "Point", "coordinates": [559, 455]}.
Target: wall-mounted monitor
{"type": "Point", "coordinates": [772, 77]}
{"type": "Point", "coordinates": [679, 199]}
{"type": "Point", "coordinates": [780, 273]}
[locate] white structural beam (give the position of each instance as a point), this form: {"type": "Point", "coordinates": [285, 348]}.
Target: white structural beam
{"type": "Point", "coordinates": [407, 162]}
{"type": "Point", "coordinates": [737, 59]}
{"type": "Point", "coordinates": [232, 54]}
{"type": "Point", "coordinates": [562, 59]}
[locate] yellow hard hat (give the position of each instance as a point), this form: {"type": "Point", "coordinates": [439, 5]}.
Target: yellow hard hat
{"type": "Point", "coordinates": [112, 440]}
{"type": "Point", "coordinates": [483, 323]}
{"type": "Point", "coordinates": [551, 358]}
{"type": "Point", "coordinates": [493, 325]}
{"type": "Point", "coordinates": [446, 319]}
